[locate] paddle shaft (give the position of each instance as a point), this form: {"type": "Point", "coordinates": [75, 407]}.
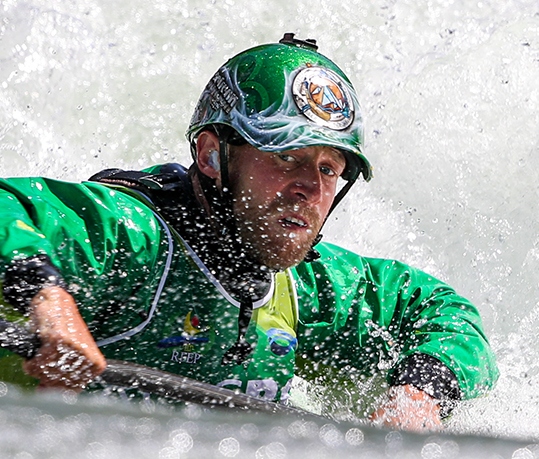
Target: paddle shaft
{"type": "Point", "coordinates": [163, 384]}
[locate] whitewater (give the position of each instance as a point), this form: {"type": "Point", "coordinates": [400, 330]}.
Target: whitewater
{"type": "Point", "coordinates": [450, 96]}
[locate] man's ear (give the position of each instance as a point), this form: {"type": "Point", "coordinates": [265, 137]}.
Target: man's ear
{"type": "Point", "coordinates": [208, 154]}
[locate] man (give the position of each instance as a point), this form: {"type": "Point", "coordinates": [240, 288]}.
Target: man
{"type": "Point", "coordinates": [218, 272]}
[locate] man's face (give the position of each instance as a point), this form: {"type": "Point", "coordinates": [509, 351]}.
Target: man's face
{"type": "Point", "coordinates": [282, 199]}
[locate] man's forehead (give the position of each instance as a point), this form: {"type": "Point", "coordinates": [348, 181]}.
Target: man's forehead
{"type": "Point", "coordinates": [325, 152]}
{"type": "Point", "coordinates": [332, 152]}
{"type": "Point", "coordinates": [337, 154]}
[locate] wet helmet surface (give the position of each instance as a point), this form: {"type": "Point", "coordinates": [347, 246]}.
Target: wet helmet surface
{"type": "Point", "coordinates": [285, 96]}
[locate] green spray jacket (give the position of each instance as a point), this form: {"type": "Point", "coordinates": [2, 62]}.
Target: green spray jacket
{"type": "Point", "coordinates": [148, 298]}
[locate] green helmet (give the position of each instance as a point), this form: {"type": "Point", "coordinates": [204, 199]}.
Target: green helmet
{"type": "Point", "coordinates": [285, 96]}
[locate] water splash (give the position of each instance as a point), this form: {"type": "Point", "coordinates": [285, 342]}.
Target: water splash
{"type": "Point", "coordinates": [451, 103]}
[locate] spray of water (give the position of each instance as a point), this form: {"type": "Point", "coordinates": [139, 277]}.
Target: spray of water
{"type": "Point", "coordinates": [451, 102]}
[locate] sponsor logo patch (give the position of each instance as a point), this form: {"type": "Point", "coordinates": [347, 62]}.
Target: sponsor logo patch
{"type": "Point", "coordinates": [188, 337]}
{"type": "Point", "coordinates": [323, 97]}
{"type": "Point", "coordinates": [281, 342]}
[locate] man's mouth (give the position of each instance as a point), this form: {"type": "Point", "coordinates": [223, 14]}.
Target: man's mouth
{"type": "Point", "coordinates": [294, 222]}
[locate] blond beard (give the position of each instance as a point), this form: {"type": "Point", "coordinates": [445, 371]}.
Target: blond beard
{"type": "Point", "coordinates": [277, 251]}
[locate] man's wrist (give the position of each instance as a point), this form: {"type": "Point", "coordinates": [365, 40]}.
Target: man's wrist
{"type": "Point", "coordinates": [25, 278]}
{"type": "Point", "coordinates": [431, 376]}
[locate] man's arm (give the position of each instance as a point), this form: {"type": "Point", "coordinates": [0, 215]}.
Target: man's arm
{"type": "Point", "coordinates": [385, 312]}
{"type": "Point", "coordinates": [68, 357]}
{"type": "Point", "coordinates": [54, 233]}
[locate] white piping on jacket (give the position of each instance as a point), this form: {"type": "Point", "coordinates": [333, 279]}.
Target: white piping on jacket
{"type": "Point", "coordinates": [156, 297]}
{"type": "Point", "coordinates": [217, 284]}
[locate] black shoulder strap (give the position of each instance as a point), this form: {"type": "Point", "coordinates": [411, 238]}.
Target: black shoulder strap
{"type": "Point", "coordinates": [170, 176]}
{"type": "Point", "coordinates": [169, 189]}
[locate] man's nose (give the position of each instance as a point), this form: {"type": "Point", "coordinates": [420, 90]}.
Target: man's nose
{"type": "Point", "coordinates": [307, 184]}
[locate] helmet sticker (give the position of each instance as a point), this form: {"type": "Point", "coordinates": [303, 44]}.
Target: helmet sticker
{"type": "Point", "coordinates": [220, 92]}
{"type": "Point", "coordinates": [321, 96]}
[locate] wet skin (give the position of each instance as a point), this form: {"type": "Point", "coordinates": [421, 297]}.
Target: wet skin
{"type": "Point", "coordinates": [282, 199]}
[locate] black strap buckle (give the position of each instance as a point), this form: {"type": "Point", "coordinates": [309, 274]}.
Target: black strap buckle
{"type": "Point", "coordinates": [289, 39]}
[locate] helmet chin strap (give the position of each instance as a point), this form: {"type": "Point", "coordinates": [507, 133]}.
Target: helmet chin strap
{"type": "Point", "coordinates": [223, 167]}
{"type": "Point", "coordinates": [227, 206]}
{"type": "Point", "coordinates": [312, 254]}
{"type": "Point", "coordinates": [340, 195]}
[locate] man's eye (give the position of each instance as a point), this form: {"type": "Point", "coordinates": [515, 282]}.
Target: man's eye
{"type": "Point", "coordinates": [287, 158]}
{"type": "Point", "coordinates": [327, 171]}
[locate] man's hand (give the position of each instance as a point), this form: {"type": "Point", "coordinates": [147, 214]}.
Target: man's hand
{"type": "Point", "coordinates": [408, 408]}
{"type": "Point", "coordinates": [68, 357]}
